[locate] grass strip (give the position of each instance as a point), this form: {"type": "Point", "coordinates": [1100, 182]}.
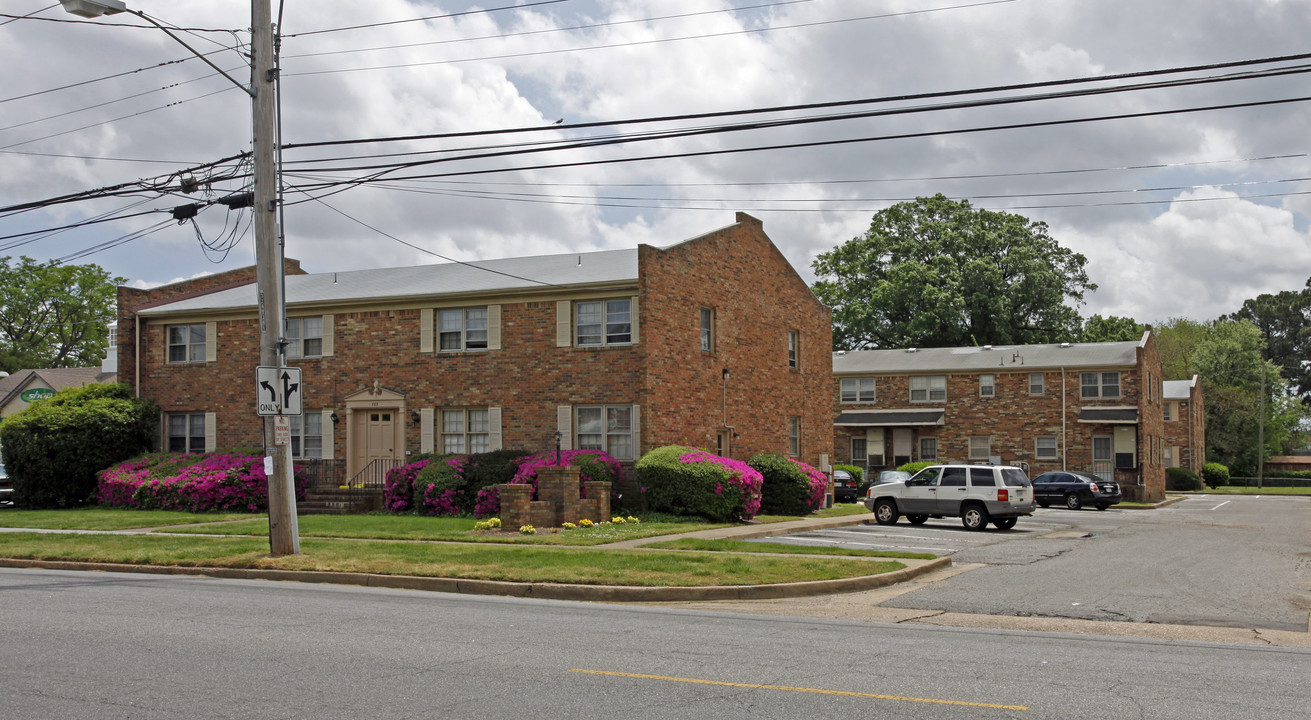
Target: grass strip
{"type": "Point", "coordinates": [760, 547]}
{"type": "Point", "coordinates": [111, 518]}
{"type": "Point", "coordinates": [414, 527]}
{"type": "Point", "coordinates": [484, 562]}
{"type": "Point", "coordinates": [842, 510]}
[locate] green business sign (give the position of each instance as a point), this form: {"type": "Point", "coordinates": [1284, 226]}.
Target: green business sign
{"type": "Point", "coordinates": [36, 394]}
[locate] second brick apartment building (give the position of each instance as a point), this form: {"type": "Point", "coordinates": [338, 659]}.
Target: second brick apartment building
{"type": "Point", "coordinates": [1094, 407]}
{"type": "Point", "coordinates": [714, 342]}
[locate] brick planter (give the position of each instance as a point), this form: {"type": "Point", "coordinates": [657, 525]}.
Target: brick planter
{"type": "Point", "coordinates": [558, 503]}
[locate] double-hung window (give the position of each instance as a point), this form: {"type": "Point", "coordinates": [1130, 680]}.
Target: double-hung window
{"type": "Point", "coordinates": [987, 385]}
{"type": "Point", "coordinates": [608, 428]}
{"type": "Point", "coordinates": [928, 388]}
{"type": "Point", "coordinates": [793, 343]}
{"type": "Point", "coordinates": [794, 436]}
{"type": "Point", "coordinates": [980, 447]}
{"type": "Point", "coordinates": [707, 318]}
{"type": "Point", "coordinates": [1045, 447]}
{"type": "Point", "coordinates": [465, 430]}
{"type": "Point", "coordinates": [1099, 385]}
{"type": "Point", "coordinates": [186, 432]}
{"type": "Point", "coordinates": [604, 322]}
{"type": "Point", "coordinates": [858, 390]}
{"type": "Point", "coordinates": [461, 329]}
{"type": "Point", "coordinates": [928, 448]}
{"type": "Point", "coordinates": [304, 337]}
{"type": "Point", "coordinates": [186, 343]}
{"type": "Point", "coordinates": [1035, 383]}
{"type": "Point", "coordinates": [307, 436]}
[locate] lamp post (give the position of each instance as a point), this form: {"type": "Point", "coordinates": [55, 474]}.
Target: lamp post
{"type": "Point", "coordinates": [284, 536]}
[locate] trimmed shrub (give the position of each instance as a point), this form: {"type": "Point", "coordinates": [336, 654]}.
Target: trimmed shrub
{"type": "Point", "coordinates": [209, 482]}
{"type": "Point", "coordinates": [856, 473]}
{"type": "Point", "coordinates": [1182, 480]}
{"type": "Point", "coordinates": [54, 448]}
{"type": "Point", "coordinates": [914, 467]}
{"type": "Point", "coordinates": [788, 487]}
{"type": "Point", "coordinates": [684, 481]}
{"type": "Point", "coordinates": [438, 487]}
{"type": "Point", "coordinates": [1215, 474]}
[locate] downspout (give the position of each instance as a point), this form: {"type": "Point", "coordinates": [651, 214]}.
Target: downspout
{"type": "Point", "coordinates": [136, 355]}
{"type": "Point", "coordinates": [1064, 445]}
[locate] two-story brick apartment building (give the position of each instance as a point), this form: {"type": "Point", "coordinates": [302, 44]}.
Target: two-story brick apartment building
{"type": "Point", "coordinates": [714, 342]}
{"type": "Point", "coordinates": [1077, 406]}
{"type": "Point", "coordinates": [1185, 424]}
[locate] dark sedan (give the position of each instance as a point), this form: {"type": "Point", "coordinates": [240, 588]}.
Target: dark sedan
{"type": "Point", "coordinates": [1074, 490]}
{"type": "Point", "coordinates": [844, 486]}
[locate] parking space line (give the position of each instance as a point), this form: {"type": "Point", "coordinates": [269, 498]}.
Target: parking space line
{"type": "Point", "coordinates": [1217, 507]}
{"type": "Point", "coordinates": [819, 691]}
{"type": "Point", "coordinates": [937, 549]}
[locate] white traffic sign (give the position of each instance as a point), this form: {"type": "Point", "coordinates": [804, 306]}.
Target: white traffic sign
{"type": "Point", "coordinates": [278, 390]}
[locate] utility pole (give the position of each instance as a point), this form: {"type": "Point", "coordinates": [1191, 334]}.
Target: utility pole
{"type": "Point", "coordinates": [1260, 432]}
{"type": "Point", "coordinates": [284, 534]}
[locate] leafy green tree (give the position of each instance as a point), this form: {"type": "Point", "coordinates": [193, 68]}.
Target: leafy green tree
{"type": "Point", "coordinates": [54, 315]}
{"type": "Point", "coordinates": [1111, 328]}
{"type": "Point", "coordinates": [1284, 320]}
{"type": "Point", "coordinates": [936, 272]}
{"type": "Point", "coordinates": [1175, 340]}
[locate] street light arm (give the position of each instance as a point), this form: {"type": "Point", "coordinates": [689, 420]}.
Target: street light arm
{"type": "Point", "coordinates": [244, 88]}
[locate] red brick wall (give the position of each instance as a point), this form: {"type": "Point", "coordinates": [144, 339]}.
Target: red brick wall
{"type": "Point", "coordinates": [1186, 431]}
{"type": "Point", "coordinates": [757, 298]}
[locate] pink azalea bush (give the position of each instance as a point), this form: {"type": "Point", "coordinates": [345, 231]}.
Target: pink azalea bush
{"type": "Point", "coordinates": [189, 482]}
{"type": "Point", "coordinates": [591, 464]}
{"type": "Point", "coordinates": [791, 487]}
{"type": "Point", "coordinates": [688, 481]}
{"type": "Point", "coordinates": [818, 483]}
{"type": "Point", "coordinates": [398, 486]}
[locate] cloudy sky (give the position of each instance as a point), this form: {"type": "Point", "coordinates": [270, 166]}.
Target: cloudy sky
{"type": "Point", "coordinates": [1185, 198]}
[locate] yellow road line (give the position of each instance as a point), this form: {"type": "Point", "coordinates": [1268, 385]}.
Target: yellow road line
{"type": "Point", "coordinates": [799, 689]}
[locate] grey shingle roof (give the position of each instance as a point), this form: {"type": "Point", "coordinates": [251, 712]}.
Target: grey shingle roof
{"type": "Point", "coordinates": [482, 276]}
{"type": "Point", "coordinates": [1177, 389]}
{"type": "Point", "coordinates": [1002, 358]}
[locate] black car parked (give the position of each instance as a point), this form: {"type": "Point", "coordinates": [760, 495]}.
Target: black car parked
{"type": "Point", "coordinates": [844, 487]}
{"type": "Point", "coordinates": [1074, 490]}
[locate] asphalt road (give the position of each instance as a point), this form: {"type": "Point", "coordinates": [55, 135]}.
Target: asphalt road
{"type": "Point", "coordinates": [1225, 561]}
{"type": "Point", "coordinates": [93, 646]}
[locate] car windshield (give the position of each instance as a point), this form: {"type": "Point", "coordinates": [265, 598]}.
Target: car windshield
{"type": "Point", "coordinates": [1014, 477]}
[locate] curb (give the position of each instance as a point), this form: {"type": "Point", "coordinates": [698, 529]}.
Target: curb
{"type": "Point", "coordinates": [548, 591]}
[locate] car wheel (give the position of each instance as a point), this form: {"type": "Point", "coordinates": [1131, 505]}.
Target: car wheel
{"type": "Point", "coordinates": [885, 512]}
{"type": "Point", "coordinates": [1004, 523]}
{"type": "Point", "coordinates": [917, 519]}
{"type": "Point", "coordinates": [1102, 506]}
{"type": "Point", "coordinates": [1072, 501]}
{"type": "Point", "coordinates": [974, 517]}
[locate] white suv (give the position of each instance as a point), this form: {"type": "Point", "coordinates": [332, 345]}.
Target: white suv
{"type": "Point", "coordinates": [978, 494]}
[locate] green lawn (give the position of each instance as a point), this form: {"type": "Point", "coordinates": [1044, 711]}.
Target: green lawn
{"type": "Point", "coordinates": [766, 547]}
{"type": "Point", "coordinates": [110, 518]}
{"type": "Point", "coordinates": [841, 510]}
{"type": "Point", "coordinates": [449, 560]}
{"type": "Point", "coordinates": [1267, 490]}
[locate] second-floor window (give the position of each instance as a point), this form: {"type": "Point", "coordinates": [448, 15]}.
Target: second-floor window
{"type": "Point", "coordinates": [465, 430]}
{"type": "Point", "coordinates": [707, 330]}
{"type": "Point", "coordinates": [186, 343]}
{"type": "Point", "coordinates": [792, 349]}
{"type": "Point", "coordinates": [928, 388]}
{"type": "Point", "coordinates": [1035, 383]}
{"type": "Point", "coordinates": [858, 390]}
{"type": "Point", "coordinates": [604, 322]}
{"type": "Point", "coordinates": [987, 385]}
{"type": "Point", "coordinates": [1099, 385]}
{"type": "Point", "coordinates": [1167, 411]}
{"type": "Point", "coordinates": [462, 329]}
{"type": "Point", "coordinates": [304, 337]}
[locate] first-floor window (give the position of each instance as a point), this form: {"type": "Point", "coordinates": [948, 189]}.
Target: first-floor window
{"type": "Point", "coordinates": [465, 430]}
{"type": "Point", "coordinates": [859, 452]}
{"type": "Point", "coordinates": [980, 447]}
{"type": "Point", "coordinates": [1045, 447]}
{"type": "Point", "coordinates": [186, 432]}
{"type": "Point", "coordinates": [794, 436]}
{"type": "Point", "coordinates": [307, 435]}
{"type": "Point", "coordinates": [608, 428]}
{"type": "Point", "coordinates": [928, 448]}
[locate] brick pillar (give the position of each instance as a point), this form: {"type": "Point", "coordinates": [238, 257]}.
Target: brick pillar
{"type": "Point", "coordinates": [557, 486]}
{"type": "Point", "coordinates": [514, 505]}
{"type": "Point", "coordinates": [598, 496]}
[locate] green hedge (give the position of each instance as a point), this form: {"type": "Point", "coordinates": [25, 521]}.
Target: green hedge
{"type": "Point", "coordinates": [55, 447]}
{"type": "Point", "coordinates": [786, 489]}
{"type": "Point", "coordinates": [1215, 474]}
{"type": "Point", "coordinates": [914, 467]}
{"type": "Point", "coordinates": [856, 472]}
{"type": "Point", "coordinates": [1182, 480]}
{"type": "Point", "coordinates": [701, 489]}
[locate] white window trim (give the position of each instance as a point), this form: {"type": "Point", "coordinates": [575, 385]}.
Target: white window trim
{"type": "Point", "coordinates": [987, 447]}
{"type": "Point", "coordinates": [464, 329]}
{"type": "Point", "coordinates": [706, 329]}
{"type": "Point", "coordinates": [296, 337]}
{"type": "Point", "coordinates": [190, 346]}
{"type": "Point", "coordinates": [298, 434]}
{"type": "Point", "coordinates": [990, 389]}
{"type": "Point", "coordinates": [467, 435]}
{"type": "Point", "coordinates": [206, 435]}
{"type": "Point", "coordinates": [606, 322]}
{"type": "Point", "coordinates": [932, 457]}
{"type": "Point", "coordinates": [1102, 385]}
{"type": "Point", "coordinates": [794, 350]}
{"type": "Point", "coordinates": [928, 389]}
{"type": "Point", "coordinates": [1055, 449]}
{"type": "Point", "coordinates": [794, 436]}
{"type": "Point", "coordinates": [858, 381]}
{"type": "Point", "coordinates": [633, 434]}
{"type": "Point", "coordinates": [1042, 383]}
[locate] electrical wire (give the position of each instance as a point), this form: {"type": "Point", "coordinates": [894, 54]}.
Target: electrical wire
{"type": "Point", "coordinates": [423, 19]}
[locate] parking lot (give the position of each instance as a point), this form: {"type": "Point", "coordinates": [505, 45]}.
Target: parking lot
{"type": "Point", "coordinates": [1229, 561]}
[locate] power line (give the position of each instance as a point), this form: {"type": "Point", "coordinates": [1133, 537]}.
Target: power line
{"type": "Point", "coordinates": [422, 19]}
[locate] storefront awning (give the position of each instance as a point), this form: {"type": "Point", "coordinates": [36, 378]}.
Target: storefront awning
{"type": "Point", "coordinates": [890, 418]}
{"type": "Point", "coordinates": [1112, 416]}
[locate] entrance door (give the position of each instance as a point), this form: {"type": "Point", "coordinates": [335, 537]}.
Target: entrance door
{"type": "Point", "coordinates": [1103, 460]}
{"type": "Point", "coordinates": [380, 435]}
{"type": "Point", "coordinates": [901, 442]}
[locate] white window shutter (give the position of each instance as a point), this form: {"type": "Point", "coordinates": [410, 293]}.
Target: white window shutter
{"type": "Point", "coordinates": [494, 438]}
{"type": "Point", "coordinates": [211, 341]}
{"type": "Point", "coordinates": [565, 424]}
{"type": "Point", "coordinates": [563, 323]}
{"type": "Point", "coordinates": [637, 432]}
{"type": "Point", "coordinates": [633, 318]}
{"type": "Point", "coordinates": [211, 431]}
{"type": "Point", "coordinates": [328, 428]}
{"type": "Point", "coordinates": [425, 430]}
{"type": "Point", "coordinates": [425, 330]}
{"type": "Point", "coordinates": [328, 347]}
{"type": "Point", "coordinates": [493, 327]}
